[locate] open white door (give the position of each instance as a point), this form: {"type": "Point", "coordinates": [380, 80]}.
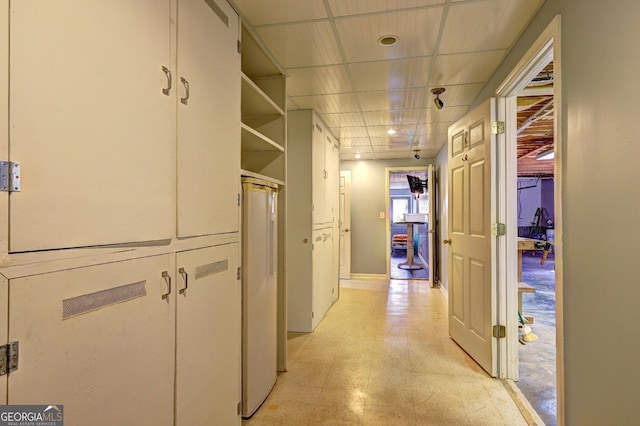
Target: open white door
{"type": "Point", "coordinates": [431, 223]}
{"type": "Point", "coordinates": [345, 225]}
{"type": "Point", "coordinates": [471, 291]}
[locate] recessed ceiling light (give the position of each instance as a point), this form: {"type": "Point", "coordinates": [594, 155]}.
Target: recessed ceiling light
{"type": "Point", "coordinates": [391, 132]}
{"type": "Point", "coordinates": [357, 155]}
{"type": "Point", "coordinates": [388, 40]}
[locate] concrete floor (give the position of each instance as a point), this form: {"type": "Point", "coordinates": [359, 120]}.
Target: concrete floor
{"type": "Point", "coordinates": [382, 356]}
{"type": "Point", "coordinates": [538, 359]}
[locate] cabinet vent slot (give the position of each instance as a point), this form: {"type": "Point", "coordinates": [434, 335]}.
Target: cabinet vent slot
{"type": "Point", "coordinates": [223, 16]}
{"type": "Point", "coordinates": [211, 268]}
{"type": "Point", "coordinates": [93, 301]}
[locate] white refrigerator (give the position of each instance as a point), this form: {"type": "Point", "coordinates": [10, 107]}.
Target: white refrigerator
{"type": "Point", "coordinates": [259, 292]}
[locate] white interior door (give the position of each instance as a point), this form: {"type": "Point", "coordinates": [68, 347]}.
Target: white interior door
{"type": "Point", "coordinates": [99, 340]}
{"type": "Point", "coordinates": [208, 336]}
{"type": "Point", "coordinates": [345, 225]}
{"type": "Point", "coordinates": [432, 222]}
{"type": "Point", "coordinates": [471, 311]}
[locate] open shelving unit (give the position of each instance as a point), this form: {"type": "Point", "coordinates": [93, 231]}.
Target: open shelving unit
{"type": "Point", "coordinates": [263, 106]}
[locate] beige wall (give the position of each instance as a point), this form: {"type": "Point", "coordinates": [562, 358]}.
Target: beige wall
{"type": "Point", "coordinates": [600, 203]}
{"type": "Point", "coordinates": [368, 199]}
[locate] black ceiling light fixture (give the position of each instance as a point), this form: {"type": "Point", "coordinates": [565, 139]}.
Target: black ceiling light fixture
{"type": "Point", "coordinates": [437, 101]}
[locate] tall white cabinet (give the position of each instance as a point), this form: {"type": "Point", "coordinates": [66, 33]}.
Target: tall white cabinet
{"type": "Point", "coordinates": [313, 182]}
{"type": "Point", "coordinates": [120, 244]}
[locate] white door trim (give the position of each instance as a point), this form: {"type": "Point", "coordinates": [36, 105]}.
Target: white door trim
{"type": "Point", "coordinates": [545, 49]}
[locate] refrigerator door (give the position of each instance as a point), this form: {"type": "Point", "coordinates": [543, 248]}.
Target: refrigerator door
{"type": "Point", "coordinates": [259, 297]}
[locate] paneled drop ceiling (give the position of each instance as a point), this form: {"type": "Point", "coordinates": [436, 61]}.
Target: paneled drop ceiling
{"type": "Point", "coordinates": [335, 65]}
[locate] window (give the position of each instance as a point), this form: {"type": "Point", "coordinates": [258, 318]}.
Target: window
{"type": "Point", "coordinates": [399, 206]}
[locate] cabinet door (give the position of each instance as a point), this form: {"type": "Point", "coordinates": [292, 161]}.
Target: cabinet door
{"type": "Point", "coordinates": [208, 118]}
{"type": "Point", "coordinates": [208, 346]}
{"type": "Point", "coordinates": [89, 123]}
{"type": "Point", "coordinates": [318, 172]}
{"type": "Point", "coordinates": [98, 340]}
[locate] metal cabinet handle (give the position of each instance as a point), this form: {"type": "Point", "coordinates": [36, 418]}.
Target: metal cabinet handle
{"type": "Point", "coordinates": [185, 276]}
{"type": "Point", "coordinates": [167, 72]}
{"type": "Point", "coordinates": [167, 279]}
{"type": "Point", "coordinates": [347, 230]}
{"type": "Point", "coordinates": [446, 241]}
{"type": "Point", "coordinates": [186, 87]}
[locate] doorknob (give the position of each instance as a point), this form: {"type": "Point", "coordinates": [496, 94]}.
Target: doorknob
{"type": "Point", "coordinates": [446, 241]}
{"type": "Point", "coordinates": [346, 230]}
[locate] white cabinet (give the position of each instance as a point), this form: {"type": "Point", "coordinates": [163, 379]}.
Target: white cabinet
{"type": "Point", "coordinates": [323, 283]}
{"type": "Point", "coordinates": [208, 336]}
{"type": "Point", "coordinates": [89, 124]}
{"type": "Point", "coordinates": [120, 139]}
{"type": "Point", "coordinates": [325, 162]}
{"type": "Point", "coordinates": [313, 179]}
{"type": "Point", "coordinates": [99, 340]}
{"type": "Point", "coordinates": [113, 342]}
{"type": "Point", "coordinates": [207, 85]}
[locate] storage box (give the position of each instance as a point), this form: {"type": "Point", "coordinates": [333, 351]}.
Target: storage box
{"type": "Point", "coordinates": [415, 217]}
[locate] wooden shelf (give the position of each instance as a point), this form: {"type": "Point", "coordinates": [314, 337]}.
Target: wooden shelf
{"type": "Point", "coordinates": [254, 141]}
{"type": "Point", "coordinates": [247, 173]}
{"type": "Point", "coordinates": [255, 102]}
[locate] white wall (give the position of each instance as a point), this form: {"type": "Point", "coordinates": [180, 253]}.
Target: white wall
{"type": "Point", "coordinates": [600, 203]}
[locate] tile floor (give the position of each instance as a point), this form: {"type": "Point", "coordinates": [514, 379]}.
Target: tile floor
{"type": "Point", "coordinates": [382, 356]}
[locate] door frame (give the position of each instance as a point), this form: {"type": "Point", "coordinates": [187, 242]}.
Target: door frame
{"type": "Point", "coordinates": [345, 273]}
{"type": "Point", "coordinates": [545, 49]}
{"type": "Point", "coordinates": [387, 189]}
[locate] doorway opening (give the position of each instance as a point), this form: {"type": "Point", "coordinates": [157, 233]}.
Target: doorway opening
{"type": "Point", "coordinates": [408, 240]}
{"type": "Point", "coordinates": [530, 284]}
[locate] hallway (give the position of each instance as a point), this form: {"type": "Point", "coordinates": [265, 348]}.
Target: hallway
{"type": "Point", "coordinates": [382, 356]}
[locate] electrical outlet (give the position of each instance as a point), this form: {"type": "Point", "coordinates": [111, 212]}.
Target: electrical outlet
{"type": "Point", "coordinates": [381, 215]}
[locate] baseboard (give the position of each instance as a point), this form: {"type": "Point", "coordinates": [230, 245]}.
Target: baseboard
{"type": "Point", "coordinates": [369, 276]}
{"type": "Point", "coordinates": [444, 291]}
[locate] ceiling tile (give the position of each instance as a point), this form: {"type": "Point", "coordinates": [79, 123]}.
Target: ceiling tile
{"type": "Point", "coordinates": [416, 30]}
{"type": "Point", "coordinates": [344, 102]}
{"type": "Point", "coordinates": [357, 7]}
{"type": "Point", "coordinates": [385, 117]}
{"type": "Point", "coordinates": [462, 68]}
{"type": "Point", "coordinates": [391, 100]}
{"type": "Point", "coordinates": [500, 23]}
{"type": "Point", "coordinates": [318, 80]}
{"type": "Point", "coordinates": [272, 11]}
{"type": "Point", "coordinates": [353, 132]}
{"type": "Point", "coordinates": [302, 45]}
{"type": "Point", "coordinates": [344, 119]}
{"type": "Point", "coordinates": [394, 74]}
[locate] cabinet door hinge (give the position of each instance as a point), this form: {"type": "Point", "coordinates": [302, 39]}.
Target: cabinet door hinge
{"type": "Point", "coordinates": [497, 127]}
{"type": "Point", "coordinates": [239, 273]}
{"type": "Point", "coordinates": [9, 176]}
{"type": "Point", "coordinates": [238, 200]}
{"type": "Point", "coordinates": [8, 358]}
{"type": "Point", "coordinates": [239, 408]}
{"type": "Point", "coordinates": [498, 229]}
{"type": "Point", "coordinates": [239, 46]}
{"type": "Point", "coordinates": [499, 331]}
{"type": "Point", "coordinates": [312, 314]}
